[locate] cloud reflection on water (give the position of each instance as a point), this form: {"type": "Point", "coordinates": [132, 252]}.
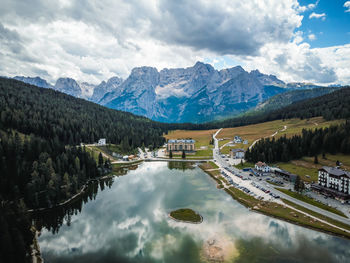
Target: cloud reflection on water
{"type": "Point", "coordinates": [129, 223]}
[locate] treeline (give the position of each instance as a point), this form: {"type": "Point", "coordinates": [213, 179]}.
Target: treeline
{"type": "Point", "coordinates": [16, 235]}
{"type": "Point", "coordinates": [335, 139]}
{"type": "Point", "coordinates": [41, 163]}
{"type": "Point", "coordinates": [43, 173]}
{"type": "Point", "coordinates": [335, 105]}
{"type": "Point", "coordinates": [53, 115]}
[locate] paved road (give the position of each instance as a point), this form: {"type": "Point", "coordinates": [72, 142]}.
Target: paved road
{"type": "Point", "coordinates": [222, 163]}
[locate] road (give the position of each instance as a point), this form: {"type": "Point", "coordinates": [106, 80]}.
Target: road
{"type": "Point", "coordinates": [221, 162]}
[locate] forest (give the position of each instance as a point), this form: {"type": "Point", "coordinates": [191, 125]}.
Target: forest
{"type": "Point", "coordinates": [335, 105]}
{"type": "Point", "coordinates": [41, 161]}
{"type": "Point", "coordinates": [335, 139]}
{"type": "Point", "coordinates": [40, 131]}
{"type": "Point", "coordinates": [43, 164]}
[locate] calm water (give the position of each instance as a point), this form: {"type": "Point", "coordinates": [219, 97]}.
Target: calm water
{"type": "Point", "coordinates": [128, 222]}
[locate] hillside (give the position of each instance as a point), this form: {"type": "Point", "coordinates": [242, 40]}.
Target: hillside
{"type": "Point", "coordinates": [335, 105]}
{"type": "Point", "coordinates": [194, 94]}
{"type": "Point", "coordinates": [289, 97]}
{"type": "Point", "coordinates": [48, 113]}
{"type": "Point", "coordinates": [39, 131]}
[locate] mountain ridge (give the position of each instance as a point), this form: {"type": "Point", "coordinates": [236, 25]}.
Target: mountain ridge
{"type": "Point", "coordinates": [194, 94]}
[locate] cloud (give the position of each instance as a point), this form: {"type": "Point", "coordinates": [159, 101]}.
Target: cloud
{"type": "Point", "coordinates": [298, 62]}
{"type": "Point", "coordinates": [312, 37]}
{"type": "Point", "coordinates": [94, 40]}
{"type": "Point", "coordinates": [317, 16]}
{"type": "Point", "coordinates": [308, 7]}
{"type": "Point", "coordinates": [111, 37]}
{"type": "Point", "coordinates": [347, 6]}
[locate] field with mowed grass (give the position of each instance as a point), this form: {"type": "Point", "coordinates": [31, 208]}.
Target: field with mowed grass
{"type": "Point", "coordinates": [308, 170]}
{"type": "Point", "coordinates": [267, 129]}
{"type": "Point", "coordinates": [204, 149]}
{"type": "Point", "coordinates": [202, 137]}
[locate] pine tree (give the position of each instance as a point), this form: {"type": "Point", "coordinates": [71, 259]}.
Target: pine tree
{"type": "Point", "coordinates": [316, 159]}
{"type": "Point", "coordinates": [100, 160]}
{"type": "Point", "coordinates": [183, 155]}
{"type": "Point", "coordinates": [171, 154]}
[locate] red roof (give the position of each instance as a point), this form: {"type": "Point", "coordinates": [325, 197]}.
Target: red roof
{"type": "Point", "coordinates": [260, 164]}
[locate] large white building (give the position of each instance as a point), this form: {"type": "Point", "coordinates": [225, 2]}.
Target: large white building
{"type": "Point", "coordinates": [237, 153]}
{"type": "Point", "coordinates": [333, 181]}
{"type": "Point", "coordinates": [179, 145]}
{"type": "Point", "coordinates": [262, 167]}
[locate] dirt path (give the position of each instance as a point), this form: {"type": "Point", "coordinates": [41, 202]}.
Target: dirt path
{"type": "Point", "coordinates": [225, 145]}
{"type": "Point", "coordinates": [107, 156]}
{"type": "Point", "coordinates": [272, 135]}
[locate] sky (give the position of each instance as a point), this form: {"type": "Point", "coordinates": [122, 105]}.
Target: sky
{"type": "Point", "coordinates": [91, 41]}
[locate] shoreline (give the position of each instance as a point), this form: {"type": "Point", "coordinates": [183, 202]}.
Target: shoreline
{"type": "Point", "coordinates": [81, 191]}
{"type": "Point", "coordinates": [287, 220]}
{"type": "Point", "coordinates": [228, 191]}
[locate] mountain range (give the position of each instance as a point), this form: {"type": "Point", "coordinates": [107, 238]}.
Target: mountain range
{"type": "Point", "coordinates": [195, 94]}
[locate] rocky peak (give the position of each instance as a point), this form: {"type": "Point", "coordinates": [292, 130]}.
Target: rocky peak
{"type": "Point", "coordinates": [68, 86]}
{"type": "Point", "coordinates": [36, 81]}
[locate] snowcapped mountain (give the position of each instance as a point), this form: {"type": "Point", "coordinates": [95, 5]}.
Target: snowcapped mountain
{"type": "Point", "coordinates": [194, 94]}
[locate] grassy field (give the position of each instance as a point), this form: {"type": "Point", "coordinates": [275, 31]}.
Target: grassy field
{"type": "Point", "coordinates": [221, 143]}
{"type": "Point", "coordinates": [202, 137]}
{"type": "Point", "coordinates": [213, 165]}
{"type": "Point", "coordinates": [94, 153]}
{"type": "Point", "coordinates": [273, 183]}
{"type": "Point", "coordinates": [283, 212]}
{"type": "Point", "coordinates": [320, 216]}
{"type": "Point", "coordinates": [308, 171]}
{"type": "Point", "coordinates": [186, 214]}
{"type": "Point", "coordinates": [215, 174]}
{"type": "Point", "coordinates": [311, 201]}
{"type": "Point", "coordinates": [303, 171]}
{"type": "Point", "coordinates": [329, 161]}
{"type": "Point", "coordinates": [245, 165]}
{"type": "Point", "coordinates": [266, 129]}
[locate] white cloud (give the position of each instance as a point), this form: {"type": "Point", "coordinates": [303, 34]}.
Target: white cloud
{"type": "Point", "coordinates": [347, 6]}
{"type": "Point", "coordinates": [92, 41]}
{"type": "Point", "coordinates": [95, 40]}
{"type": "Point", "coordinates": [308, 7]}
{"type": "Point", "coordinates": [298, 62]}
{"type": "Point", "coordinates": [317, 16]}
{"type": "Point", "coordinates": [312, 37]}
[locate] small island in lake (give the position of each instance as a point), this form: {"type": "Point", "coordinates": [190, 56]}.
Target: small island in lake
{"type": "Point", "coordinates": [186, 215]}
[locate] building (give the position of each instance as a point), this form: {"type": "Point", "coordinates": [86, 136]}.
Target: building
{"type": "Point", "coordinates": [333, 182]}
{"type": "Point", "coordinates": [237, 139]}
{"type": "Point", "coordinates": [262, 167]}
{"type": "Point", "coordinates": [285, 174]}
{"type": "Point", "coordinates": [102, 141]}
{"type": "Point", "coordinates": [237, 153]}
{"type": "Point", "coordinates": [179, 145]}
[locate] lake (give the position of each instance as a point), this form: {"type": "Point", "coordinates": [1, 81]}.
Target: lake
{"type": "Point", "coordinates": [126, 220]}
